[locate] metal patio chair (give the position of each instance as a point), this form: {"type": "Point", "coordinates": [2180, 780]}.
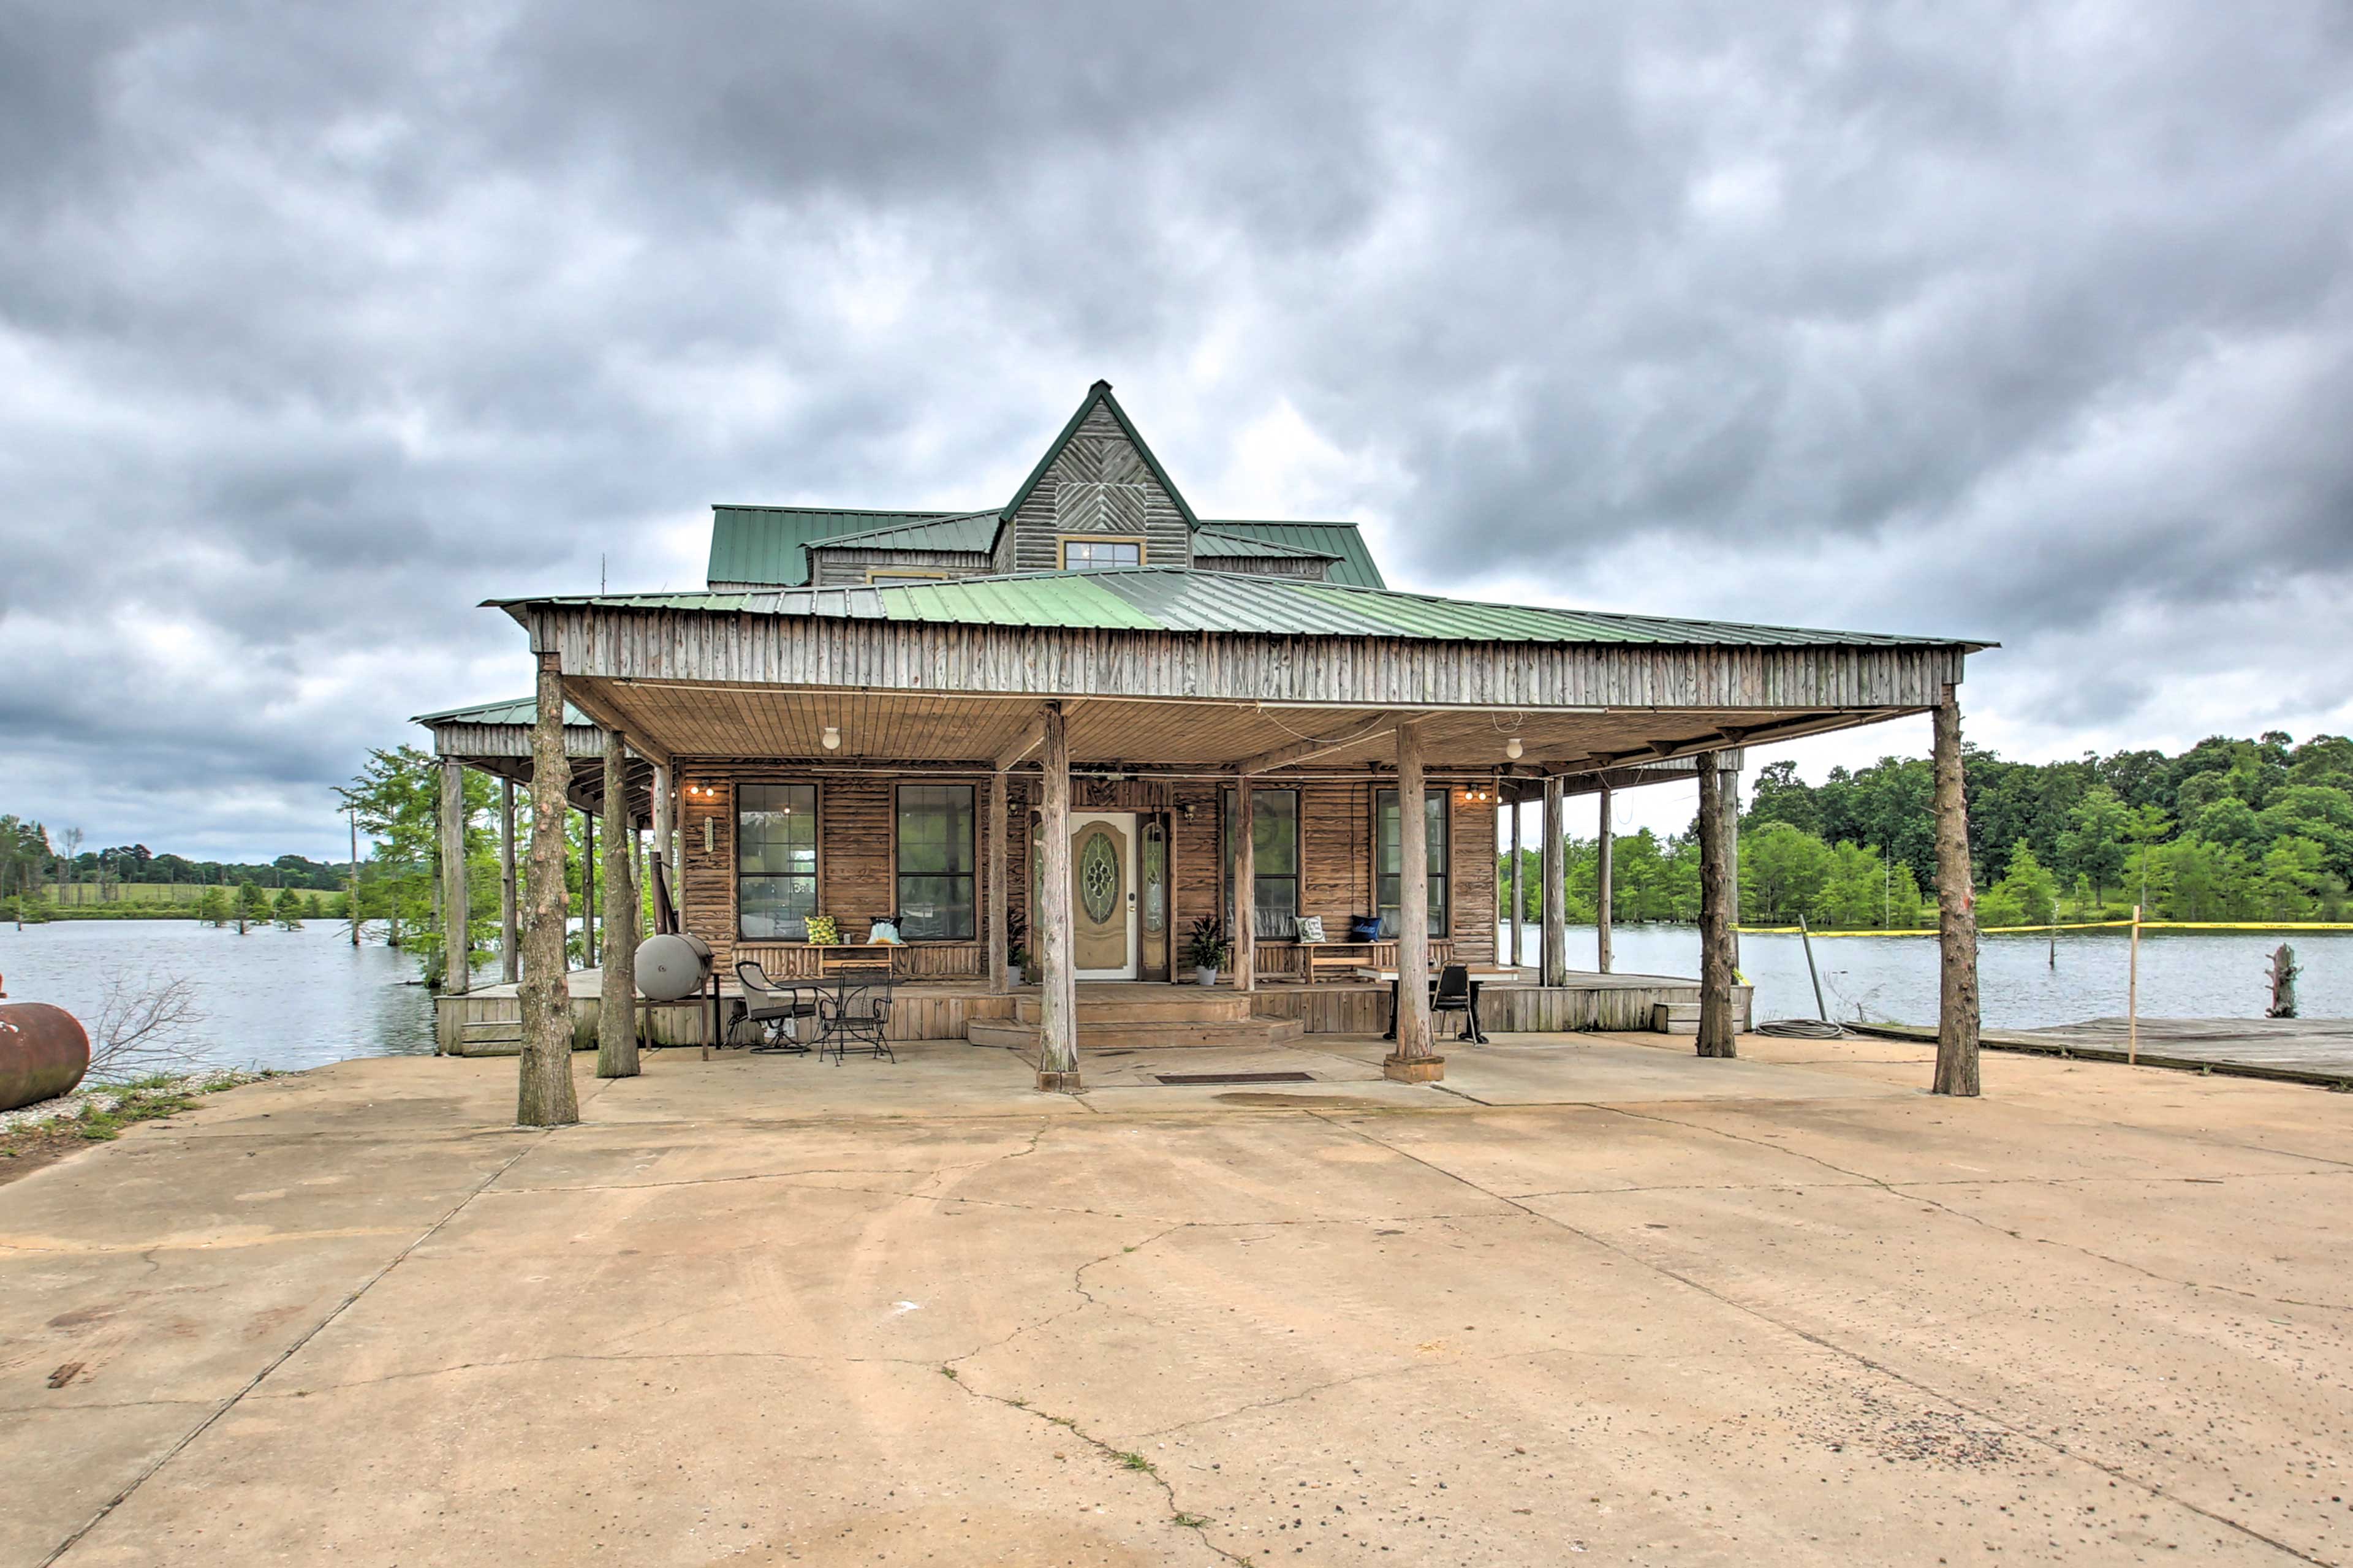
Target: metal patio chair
{"type": "Point", "coordinates": [856, 1015]}
{"type": "Point", "coordinates": [775, 1011]}
{"type": "Point", "coordinates": [1455, 993]}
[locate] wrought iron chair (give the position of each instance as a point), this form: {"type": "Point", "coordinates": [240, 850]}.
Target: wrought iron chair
{"type": "Point", "coordinates": [775, 1011]}
{"type": "Point", "coordinates": [1456, 995]}
{"type": "Point", "coordinates": [856, 1014]}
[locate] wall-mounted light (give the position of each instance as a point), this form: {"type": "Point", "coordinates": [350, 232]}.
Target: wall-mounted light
{"type": "Point", "coordinates": [831, 737]}
{"type": "Point", "coordinates": [1512, 748]}
{"type": "Point", "coordinates": [1478, 794]}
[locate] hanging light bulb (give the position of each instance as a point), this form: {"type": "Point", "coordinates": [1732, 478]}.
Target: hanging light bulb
{"type": "Point", "coordinates": [832, 738]}
{"type": "Point", "coordinates": [1512, 748]}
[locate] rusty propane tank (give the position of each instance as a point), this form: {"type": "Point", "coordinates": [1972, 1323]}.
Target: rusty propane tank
{"type": "Point", "coordinates": [43, 1053]}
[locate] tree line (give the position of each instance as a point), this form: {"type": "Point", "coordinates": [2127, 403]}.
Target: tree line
{"type": "Point", "coordinates": [2229, 830]}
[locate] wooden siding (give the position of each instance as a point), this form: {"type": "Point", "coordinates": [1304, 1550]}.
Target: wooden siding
{"type": "Point", "coordinates": [855, 830]}
{"type": "Point", "coordinates": [1366, 672]}
{"type": "Point", "coordinates": [1305, 567]}
{"type": "Point", "coordinates": [1100, 485]}
{"type": "Point", "coordinates": [846, 568]}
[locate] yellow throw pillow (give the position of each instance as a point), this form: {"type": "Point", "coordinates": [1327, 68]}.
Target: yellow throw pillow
{"type": "Point", "coordinates": [823, 931]}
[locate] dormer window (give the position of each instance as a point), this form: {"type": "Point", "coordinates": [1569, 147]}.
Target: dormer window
{"type": "Point", "coordinates": [1101, 554]}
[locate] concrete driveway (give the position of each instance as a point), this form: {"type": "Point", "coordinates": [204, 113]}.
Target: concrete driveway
{"type": "Point", "coordinates": [1592, 1295]}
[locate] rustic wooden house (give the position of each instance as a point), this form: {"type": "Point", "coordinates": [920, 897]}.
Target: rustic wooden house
{"type": "Point", "coordinates": [1093, 712]}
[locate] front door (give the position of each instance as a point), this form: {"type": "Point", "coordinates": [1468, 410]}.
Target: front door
{"type": "Point", "coordinates": [1103, 895]}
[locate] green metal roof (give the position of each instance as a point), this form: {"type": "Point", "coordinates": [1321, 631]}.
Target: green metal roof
{"type": "Point", "coordinates": [1172, 599]}
{"type": "Point", "coordinates": [519, 711]}
{"type": "Point", "coordinates": [973, 530]}
{"type": "Point", "coordinates": [763, 544]}
{"type": "Point", "coordinates": [1339, 540]}
{"type": "Point", "coordinates": [1217, 546]}
{"type": "Point", "coordinates": [1099, 393]}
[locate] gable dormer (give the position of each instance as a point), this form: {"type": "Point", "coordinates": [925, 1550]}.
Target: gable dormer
{"type": "Point", "coordinates": [1097, 498]}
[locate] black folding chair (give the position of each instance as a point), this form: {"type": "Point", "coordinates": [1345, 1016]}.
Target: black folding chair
{"type": "Point", "coordinates": [856, 1015]}
{"type": "Point", "coordinates": [775, 1011]}
{"type": "Point", "coordinates": [1455, 993]}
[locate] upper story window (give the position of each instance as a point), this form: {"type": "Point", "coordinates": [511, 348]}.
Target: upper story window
{"type": "Point", "coordinates": [1100, 555]}
{"type": "Point", "coordinates": [885, 576]}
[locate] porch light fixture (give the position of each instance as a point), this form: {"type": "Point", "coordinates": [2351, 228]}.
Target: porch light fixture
{"type": "Point", "coordinates": [1478, 794]}
{"type": "Point", "coordinates": [1512, 748]}
{"type": "Point", "coordinates": [832, 738]}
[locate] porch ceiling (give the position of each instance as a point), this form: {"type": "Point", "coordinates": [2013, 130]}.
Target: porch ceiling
{"type": "Point", "coordinates": [743, 721]}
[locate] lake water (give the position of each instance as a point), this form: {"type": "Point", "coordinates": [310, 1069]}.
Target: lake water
{"type": "Point", "coordinates": [299, 999]}
{"type": "Point", "coordinates": [285, 999]}
{"type": "Point", "coordinates": [2183, 974]}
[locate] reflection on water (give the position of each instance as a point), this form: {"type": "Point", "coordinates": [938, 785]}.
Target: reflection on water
{"type": "Point", "coordinates": [2183, 974]}
{"type": "Point", "coordinates": [284, 999]}
{"type": "Point", "coordinates": [297, 999]}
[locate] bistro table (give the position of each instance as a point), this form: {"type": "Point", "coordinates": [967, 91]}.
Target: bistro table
{"type": "Point", "coordinates": [1477, 976]}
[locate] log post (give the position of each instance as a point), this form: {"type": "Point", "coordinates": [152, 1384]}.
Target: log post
{"type": "Point", "coordinates": [1415, 1059]}
{"type": "Point", "coordinates": [1605, 886]}
{"type": "Point", "coordinates": [664, 868]}
{"type": "Point", "coordinates": [617, 1026]}
{"type": "Point", "coordinates": [1245, 888]}
{"type": "Point", "coordinates": [544, 1095]}
{"type": "Point", "coordinates": [588, 889]}
{"type": "Point", "coordinates": [1956, 916]}
{"type": "Point", "coordinates": [510, 948]}
{"type": "Point", "coordinates": [1552, 968]}
{"type": "Point", "coordinates": [1001, 943]}
{"type": "Point", "coordinates": [457, 973]}
{"type": "Point", "coordinates": [1519, 899]}
{"type": "Point", "coordinates": [1058, 1009]}
{"type": "Point", "coordinates": [1718, 1025]}
{"type": "Point", "coordinates": [1728, 782]}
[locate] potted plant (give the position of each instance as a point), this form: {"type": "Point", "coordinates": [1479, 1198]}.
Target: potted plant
{"type": "Point", "coordinates": [1016, 950]}
{"type": "Point", "coordinates": [1205, 949]}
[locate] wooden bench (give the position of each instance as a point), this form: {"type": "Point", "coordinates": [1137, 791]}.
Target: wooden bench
{"type": "Point", "coordinates": [837, 955]}
{"type": "Point", "coordinates": [1341, 958]}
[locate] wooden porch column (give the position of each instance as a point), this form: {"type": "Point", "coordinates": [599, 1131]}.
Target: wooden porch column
{"type": "Point", "coordinates": [1717, 1023]}
{"type": "Point", "coordinates": [510, 953]}
{"type": "Point", "coordinates": [1519, 899]}
{"type": "Point", "coordinates": [661, 872]}
{"type": "Point", "coordinates": [617, 1026]}
{"type": "Point", "coordinates": [999, 904]}
{"type": "Point", "coordinates": [1058, 1009]}
{"type": "Point", "coordinates": [1245, 888]}
{"type": "Point", "coordinates": [1956, 915]}
{"type": "Point", "coordinates": [1552, 964]}
{"type": "Point", "coordinates": [1729, 779]}
{"type": "Point", "coordinates": [544, 1095]}
{"type": "Point", "coordinates": [456, 972]}
{"type": "Point", "coordinates": [588, 889]}
{"type": "Point", "coordinates": [1605, 886]}
{"type": "Point", "coordinates": [1414, 1059]}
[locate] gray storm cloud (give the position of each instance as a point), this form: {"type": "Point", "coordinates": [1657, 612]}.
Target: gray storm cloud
{"type": "Point", "coordinates": [319, 325]}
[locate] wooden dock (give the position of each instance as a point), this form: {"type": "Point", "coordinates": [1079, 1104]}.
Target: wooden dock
{"type": "Point", "coordinates": [2291, 1050]}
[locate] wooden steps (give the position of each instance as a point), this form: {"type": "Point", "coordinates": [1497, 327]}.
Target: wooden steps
{"type": "Point", "coordinates": [1674, 1017]}
{"type": "Point", "coordinates": [1139, 1015]}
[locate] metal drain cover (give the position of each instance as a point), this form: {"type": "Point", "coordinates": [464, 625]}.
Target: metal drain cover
{"type": "Point", "coordinates": [1234, 1077]}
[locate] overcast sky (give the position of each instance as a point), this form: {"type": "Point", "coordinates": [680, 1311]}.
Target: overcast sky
{"type": "Point", "coordinates": [317, 327]}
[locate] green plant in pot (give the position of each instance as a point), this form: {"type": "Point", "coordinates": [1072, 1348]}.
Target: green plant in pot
{"type": "Point", "coordinates": [1018, 965]}
{"type": "Point", "coordinates": [1205, 949]}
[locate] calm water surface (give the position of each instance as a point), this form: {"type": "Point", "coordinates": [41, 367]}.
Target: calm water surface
{"type": "Point", "coordinates": [2183, 974]}
{"type": "Point", "coordinates": [284, 999]}
{"type": "Point", "coordinates": [299, 999]}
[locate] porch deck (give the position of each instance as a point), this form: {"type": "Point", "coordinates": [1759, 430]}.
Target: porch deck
{"type": "Point", "coordinates": [488, 1021]}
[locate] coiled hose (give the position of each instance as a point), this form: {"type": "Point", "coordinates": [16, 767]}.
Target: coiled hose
{"type": "Point", "coordinates": [1801, 1029]}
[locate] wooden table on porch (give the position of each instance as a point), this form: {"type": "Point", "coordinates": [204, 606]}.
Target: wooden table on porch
{"type": "Point", "coordinates": [1478, 974]}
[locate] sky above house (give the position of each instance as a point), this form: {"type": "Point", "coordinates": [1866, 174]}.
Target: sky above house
{"type": "Point", "coordinates": [319, 325]}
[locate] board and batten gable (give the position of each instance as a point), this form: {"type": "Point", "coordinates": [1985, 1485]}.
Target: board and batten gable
{"type": "Point", "coordinates": [1098, 485]}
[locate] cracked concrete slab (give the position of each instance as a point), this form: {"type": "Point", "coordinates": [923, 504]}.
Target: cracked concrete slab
{"type": "Point", "coordinates": [1788, 1309]}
